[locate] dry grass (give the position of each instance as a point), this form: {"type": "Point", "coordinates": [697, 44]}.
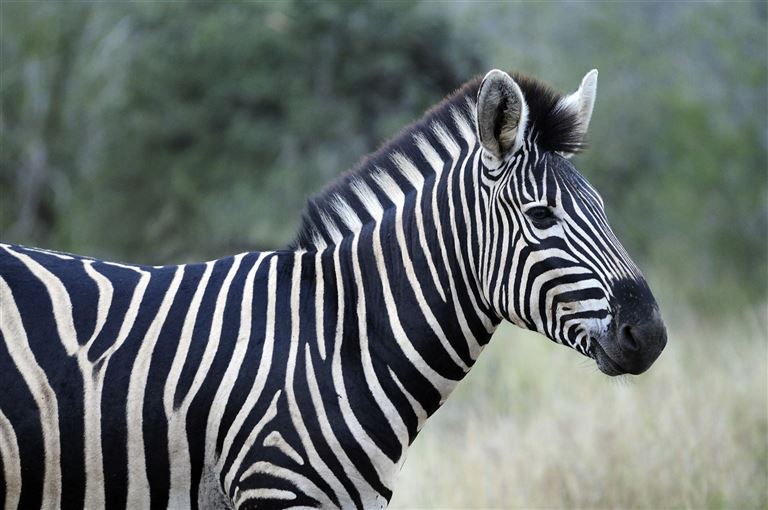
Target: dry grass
{"type": "Point", "coordinates": [534, 426]}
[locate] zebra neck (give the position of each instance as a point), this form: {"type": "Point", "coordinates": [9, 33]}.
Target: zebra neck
{"type": "Point", "coordinates": [400, 314]}
{"type": "Point", "coordinates": [375, 353]}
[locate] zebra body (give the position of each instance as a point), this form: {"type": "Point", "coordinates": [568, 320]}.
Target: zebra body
{"type": "Point", "coordinates": [179, 375]}
{"type": "Point", "coordinates": [300, 377]}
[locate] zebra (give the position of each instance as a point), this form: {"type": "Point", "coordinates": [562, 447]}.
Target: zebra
{"type": "Point", "coordinates": [299, 377]}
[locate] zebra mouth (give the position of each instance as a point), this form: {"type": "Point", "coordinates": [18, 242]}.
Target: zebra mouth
{"type": "Point", "coordinates": [604, 362]}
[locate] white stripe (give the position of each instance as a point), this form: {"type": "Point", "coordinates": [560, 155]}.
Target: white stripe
{"type": "Point", "coordinates": [52, 253]}
{"type": "Point", "coordinates": [177, 432]}
{"type": "Point", "coordinates": [473, 262]}
{"type": "Point", "coordinates": [347, 215]}
{"type": "Point", "coordinates": [358, 480]}
{"type": "Point", "coordinates": [275, 440]}
{"type": "Point", "coordinates": [265, 363]}
{"type": "Point", "coordinates": [527, 264]}
{"type": "Point", "coordinates": [17, 343]}
{"type": "Point", "coordinates": [483, 212]}
{"type": "Point", "coordinates": [331, 228]}
{"type": "Point", "coordinates": [106, 291]}
{"type": "Point", "coordinates": [465, 122]}
{"type": "Point", "coordinates": [178, 453]}
{"type": "Point", "coordinates": [581, 306]}
{"type": "Point", "coordinates": [372, 204]}
{"type": "Point", "coordinates": [93, 386]}
{"type": "Point", "coordinates": [545, 277]}
{"type": "Point", "coordinates": [524, 164]}
{"type": "Point", "coordinates": [138, 483]}
{"type": "Point", "coordinates": [262, 494]}
{"type": "Point", "coordinates": [595, 248]}
{"type": "Point", "coordinates": [409, 170]}
{"type": "Point", "coordinates": [9, 453]}
{"type": "Point", "coordinates": [185, 340]}
{"type": "Point", "coordinates": [381, 463]}
{"type": "Point", "coordinates": [224, 391]}
{"type": "Point", "coordinates": [214, 336]}
{"type": "Point", "coordinates": [393, 417]}
{"type": "Point", "coordinates": [506, 230]}
{"type": "Point", "coordinates": [436, 163]}
{"type": "Point", "coordinates": [472, 164]}
{"type": "Point", "coordinates": [130, 318]}
{"type": "Point", "coordinates": [418, 409]}
{"type": "Point", "coordinates": [474, 347]}
{"type": "Point", "coordinates": [298, 421]}
{"type": "Point", "coordinates": [249, 442]}
{"type": "Point", "coordinates": [300, 482]}
{"type": "Point", "coordinates": [62, 306]}
{"type": "Point", "coordinates": [319, 305]}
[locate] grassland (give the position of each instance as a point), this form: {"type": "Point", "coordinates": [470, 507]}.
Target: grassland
{"type": "Point", "coordinates": [536, 426]}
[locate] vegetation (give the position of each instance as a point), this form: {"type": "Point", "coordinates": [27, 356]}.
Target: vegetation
{"type": "Point", "coordinates": [167, 132]}
{"type": "Point", "coordinates": [161, 132]}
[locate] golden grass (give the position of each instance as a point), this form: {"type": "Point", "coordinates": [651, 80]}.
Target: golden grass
{"type": "Point", "coordinates": [535, 426]}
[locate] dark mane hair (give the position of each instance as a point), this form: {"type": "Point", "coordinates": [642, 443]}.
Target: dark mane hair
{"type": "Point", "coordinates": [552, 127]}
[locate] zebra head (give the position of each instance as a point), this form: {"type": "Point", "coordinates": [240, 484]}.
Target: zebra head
{"type": "Point", "coordinates": [550, 262]}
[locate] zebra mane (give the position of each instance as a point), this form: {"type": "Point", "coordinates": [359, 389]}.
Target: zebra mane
{"type": "Point", "coordinates": [343, 206]}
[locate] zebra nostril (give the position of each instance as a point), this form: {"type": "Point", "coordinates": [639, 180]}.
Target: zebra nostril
{"type": "Point", "coordinates": [627, 338]}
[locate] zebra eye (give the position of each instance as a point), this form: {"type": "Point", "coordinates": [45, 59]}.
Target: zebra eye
{"type": "Point", "coordinates": [542, 216]}
{"type": "Point", "coordinates": [539, 213]}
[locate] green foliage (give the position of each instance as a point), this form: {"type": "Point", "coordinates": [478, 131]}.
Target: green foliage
{"type": "Point", "coordinates": [195, 130]}
{"type": "Point", "coordinates": [167, 132]}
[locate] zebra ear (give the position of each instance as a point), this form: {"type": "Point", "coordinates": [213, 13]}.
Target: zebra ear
{"type": "Point", "coordinates": [501, 114]}
{"type": "Point", "coordinates": [581, 103]}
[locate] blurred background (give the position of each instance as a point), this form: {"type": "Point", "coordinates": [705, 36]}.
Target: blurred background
{"type": "Point", "coordinates": [169, 132]}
